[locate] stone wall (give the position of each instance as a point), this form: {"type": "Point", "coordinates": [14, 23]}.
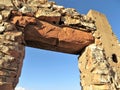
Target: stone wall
{"type": "Point", "coordinates": [43, 24]}
{"type": "Point", "coordinates": [99, 63]}
{"type": "Point", "coordinates": [11, 55]}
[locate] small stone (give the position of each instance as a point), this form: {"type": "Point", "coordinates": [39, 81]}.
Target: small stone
{"type": "Point", "coordinates": [12, 38]}
{"type": "Point", "coordinates": [58, 7]}
{"type": "Point", "coordinates": [37, 3]}
{"type": "Point", "coordinates": [8, 58]}
{"type": "Point", "coordinates": [25, 9]}
{"type": "Point", "coordinates": [10, 28]}
{"type": "Point", "coordinates": [1, 18]}
{"type": "Point", "coordinates": [48, 15]}
{"type": "Point", "coordinates": [100, 87]}
{"type": "Point", "coordinates": [43, 1]}
{"type": "Point", "coordinates": [28, 10]}
{"type": "Point", "coordinates": [2, 7]}
{"type": "Point", "coordinates": [46, 12]}
{"type": "Point", "coordinates": [46, 5]}
{"type": "Point", "coordinates": [99, 71]}
{"type": "Point", "coordinates": [105, 79]}
{"type": "Point", "coordinates": [70, 12]}
{"type": "Point", "coordinates": [6, 2]}
{"type": "Point", "coordinates": [5, 49]}
{"type": "Point", "coordinates": [70, 21]}
{"type": "Point", "coordinates": [6, 14]}
{"type": "Point", "coordinates": [89, 26]}
{"type": "Point", "coordinates": [7, 37]}
{"type": "Point", "coordinates": [1, 55]}
{"type": "Point", "coordinates": [2, 29]}
{"type": "Point", "coordinates": [34, 3]}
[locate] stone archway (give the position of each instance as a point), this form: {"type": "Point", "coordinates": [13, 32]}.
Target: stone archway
{"type": "Point", "coordinates": [48, 26]}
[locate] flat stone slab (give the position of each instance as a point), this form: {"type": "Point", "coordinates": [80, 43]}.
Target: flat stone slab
{"type": "Point", "coordinates": [41, 34]}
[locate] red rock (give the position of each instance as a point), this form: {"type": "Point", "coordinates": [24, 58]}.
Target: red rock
{"type": "Point", "coordinates": [44, 35]}
{"type": "Point", "coordinates": [50, 19]}
{"type": "Point", "coordinates": [23, 20]}
{"type": "Point", "coordinates": [74, 39]}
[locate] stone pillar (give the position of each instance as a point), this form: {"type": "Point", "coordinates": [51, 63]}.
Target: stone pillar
{"type": "Point", "coordinates": [99, 63]}
{"type": "Point", "coordinates": [11, 55]}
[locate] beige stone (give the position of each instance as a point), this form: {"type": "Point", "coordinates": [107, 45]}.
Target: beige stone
{"type": "Point", "coordinates": [101, 87]}
{"type": "Point", "coordinates": [101, 59]}
{"type": "Point", "coordinates": [6, 1]}
{"type": "Point", "coordinates": [48, 15]}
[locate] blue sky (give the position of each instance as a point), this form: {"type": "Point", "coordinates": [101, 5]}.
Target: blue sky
{"type": "Point", "coordinates": [47, 70]}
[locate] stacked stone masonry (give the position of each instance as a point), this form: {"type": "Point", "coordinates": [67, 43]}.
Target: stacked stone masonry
{"type": "Point", "coordinates": [43, 24]}
{"type": "Point", "coordinates": [11, 55]}
{"type": "Point", "coordinates": [99, 63]}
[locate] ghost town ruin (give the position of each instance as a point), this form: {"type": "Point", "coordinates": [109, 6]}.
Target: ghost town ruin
{"type": "Point", "coordinates": [45, 25]}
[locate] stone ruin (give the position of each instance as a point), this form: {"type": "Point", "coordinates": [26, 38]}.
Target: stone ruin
{"type": "Point", "coordinates": [43, 24]}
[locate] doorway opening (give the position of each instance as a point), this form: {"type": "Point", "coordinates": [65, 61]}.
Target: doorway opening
{"type": "Point", "coordinates": [48, 70]}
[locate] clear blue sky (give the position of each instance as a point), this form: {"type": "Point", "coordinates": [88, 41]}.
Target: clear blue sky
{"type": "Point", "coordinates": [47, 70]}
